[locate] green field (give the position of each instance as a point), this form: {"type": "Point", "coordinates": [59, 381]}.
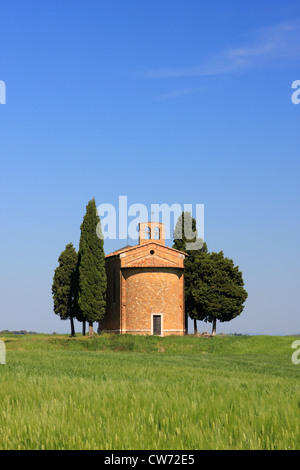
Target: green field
{"type": "Point", "coordinates": [126, 392]}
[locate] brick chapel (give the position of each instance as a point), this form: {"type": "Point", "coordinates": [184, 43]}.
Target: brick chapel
{"type": "Point", "coordinates": [145, 286]}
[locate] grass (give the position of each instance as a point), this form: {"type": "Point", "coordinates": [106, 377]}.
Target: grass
{"type": "Point", "coordinates": [130, 392]}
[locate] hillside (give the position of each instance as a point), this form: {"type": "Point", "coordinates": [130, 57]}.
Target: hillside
{"type": "Point", "coordinates": [132, 392]}
{"type": "Point", "coordinates": [227, 344]}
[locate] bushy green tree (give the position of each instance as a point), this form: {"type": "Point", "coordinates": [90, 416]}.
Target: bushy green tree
{"type": "Point", "coordinates": [63, 287]}
{"type": "Point", "coordinates": [215, 289]}
{"type": "Point", "coordinates": [91, 275]}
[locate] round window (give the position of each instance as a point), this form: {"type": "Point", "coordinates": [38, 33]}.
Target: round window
{"type": "Point", "coordinates": [152, 252]}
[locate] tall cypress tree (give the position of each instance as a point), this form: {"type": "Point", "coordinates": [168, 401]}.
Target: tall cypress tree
{"type": "Point", "coordinates": [91, 275]}
{"type": "Point", "coordinates": [185, 232]}
{"type": "Point", "coordinates": [63, 287]}
{"type": "Point", "coordinates": [186, 235]}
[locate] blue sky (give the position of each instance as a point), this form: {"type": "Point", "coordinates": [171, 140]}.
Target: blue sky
{"type": "Point", "coordinates": [164, 102]}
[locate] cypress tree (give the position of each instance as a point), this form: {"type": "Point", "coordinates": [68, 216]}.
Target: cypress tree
{"type": "Point", "coordinates": [91, 275]}
{"type": "Point", "coordinates": [185, 233]}
{"type": "Point", "coordinates": [63, 287]}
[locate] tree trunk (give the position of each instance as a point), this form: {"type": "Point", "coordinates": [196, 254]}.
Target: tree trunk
{"type": "Point", "coordinates": [91, 329]}
{"type": "Point", "coordinates": [83, 328]}
{"type": "Point", "coordinates": [72, 326]}
{"type": "Point", "coordinates": [195, 326]}
{"type": "Point", "coordinates": [214, 327]}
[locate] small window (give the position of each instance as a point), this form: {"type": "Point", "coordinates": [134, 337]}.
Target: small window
{"type": "Point", "coordinates": [156, 233]}
{"type": "Point", "coordinates": [147, 233]}
{"type": "Point", "coordinates": [151, 252]}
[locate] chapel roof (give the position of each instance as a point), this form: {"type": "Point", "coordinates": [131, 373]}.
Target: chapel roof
{"type": "Point", "coordinates": [136, 247]}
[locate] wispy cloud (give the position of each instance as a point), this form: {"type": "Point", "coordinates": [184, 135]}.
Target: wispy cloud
{"type": "Point", "coordinates": [266, 47]}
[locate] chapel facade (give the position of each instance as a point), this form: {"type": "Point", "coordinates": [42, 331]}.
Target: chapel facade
{"type": "Point", "coordinates": [145, 287]}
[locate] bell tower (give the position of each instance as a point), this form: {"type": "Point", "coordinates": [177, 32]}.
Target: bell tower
{"type": "Point", "coordinates": [151, 232]}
